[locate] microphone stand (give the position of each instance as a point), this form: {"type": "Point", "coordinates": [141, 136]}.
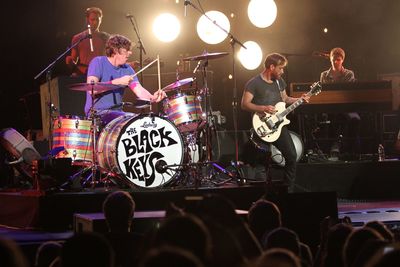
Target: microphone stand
{"type": "Point", "coordinates": [233, 41]}
{"type": "Point", "coordinates": [48, 70]}
{"type": "Point", "coordinates": [141, 47]}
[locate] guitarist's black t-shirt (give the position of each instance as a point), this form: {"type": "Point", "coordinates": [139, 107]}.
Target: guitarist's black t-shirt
{"type": "Point", "coordinates": [265, 93]}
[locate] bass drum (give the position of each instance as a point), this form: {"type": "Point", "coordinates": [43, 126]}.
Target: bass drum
{"type": "Point", "coordinates": [144, 150]}
{"type": "Point", "coordinates": [275, 152]}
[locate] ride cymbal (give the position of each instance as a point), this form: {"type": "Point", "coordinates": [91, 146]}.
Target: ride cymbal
{"type": "Point", "coordinates": [206, 55]}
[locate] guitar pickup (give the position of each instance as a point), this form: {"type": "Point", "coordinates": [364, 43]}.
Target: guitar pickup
{"type": "Point", "coordinates": [261, 131]}
{"type": "Point", "coordinates": [270, 124]}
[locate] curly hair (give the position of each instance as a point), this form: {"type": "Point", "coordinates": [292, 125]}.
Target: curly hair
{"type": "Point", "coordinates": [115, 42]}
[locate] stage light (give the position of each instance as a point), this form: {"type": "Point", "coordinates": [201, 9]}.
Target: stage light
{"type": "Point", "coordinates": [252, 56]}
{"type": "Point", "coordinates": [208, 31]}
{"type": "Point", "coordinates": [262, 13]}
{"type": "Point", "coordinates": [166, 27]}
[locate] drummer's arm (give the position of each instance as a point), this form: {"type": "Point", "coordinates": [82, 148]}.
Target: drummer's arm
{"type": "Point", "coordinates": [143, 93]}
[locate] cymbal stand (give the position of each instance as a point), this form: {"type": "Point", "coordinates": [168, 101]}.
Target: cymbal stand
{"type": "Point", "coordinates": [207, 111]}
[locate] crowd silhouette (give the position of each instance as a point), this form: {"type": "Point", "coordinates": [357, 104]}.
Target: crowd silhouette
{"type": "Point", "coordinates": [208, 232]}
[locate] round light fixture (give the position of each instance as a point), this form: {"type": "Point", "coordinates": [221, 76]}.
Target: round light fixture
{"type": "Point", "coordinates": [208, 31]}
{"type": "Point", "coordinates": [166, 27]}
{"type": "Point", "coordinates": [262, 13]}
{"type": "Point", "coordinates": [252, 56]}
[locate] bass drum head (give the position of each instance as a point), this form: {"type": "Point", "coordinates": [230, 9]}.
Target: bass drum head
{"type": "Point", "coordinates": [149, 151]}
{"type": "Point", "coordinates": [298, 144]}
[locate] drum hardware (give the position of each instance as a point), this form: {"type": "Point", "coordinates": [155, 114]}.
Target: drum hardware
{"type": "Point", "coordinates": [93, 88]}
{"type": "Point", "coordinates": [208, 118]}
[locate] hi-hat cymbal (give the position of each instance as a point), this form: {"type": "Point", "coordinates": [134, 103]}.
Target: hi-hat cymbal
{"type": "Point", "coordinates": [97, 87]}
{"type": "Point", "coordinates": [177, 84]}
{"type": "Point", "coordinates": [206, 55]}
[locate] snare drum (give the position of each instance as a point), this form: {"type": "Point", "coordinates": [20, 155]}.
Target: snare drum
{"type": "Point", "coordinates": [145, 150]}
{"type": "Point", "coordinates": [74, 134]}
{"type": "Point", "coordinates": [184, 109]}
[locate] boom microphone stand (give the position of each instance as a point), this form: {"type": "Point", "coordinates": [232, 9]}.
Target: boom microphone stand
{"type": "Point", "coordinates": [48, 70]}
{"type": "Point", "coordinates": [232, 41]}
{"type": "Point", "coordinates": [141, 47]}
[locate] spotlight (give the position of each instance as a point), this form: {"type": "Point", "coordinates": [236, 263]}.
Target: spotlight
{"type": "Point", "coordinates": [166, 27]}
{"type": "Point", "coordinates": [252, 56]}
{"type": "Point", "coordinates": [262, 13]}
{"type": "Point", "coordinates": [208, 31]}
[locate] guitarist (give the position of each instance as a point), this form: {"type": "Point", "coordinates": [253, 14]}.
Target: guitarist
{"type": "Point", "coordinates": [81, 55]}
{"type": "Point", "coordinates": [261, 94]}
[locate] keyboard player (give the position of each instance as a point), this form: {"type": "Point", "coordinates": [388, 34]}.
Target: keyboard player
{"type": "Point", "coordinates": [338, 73]}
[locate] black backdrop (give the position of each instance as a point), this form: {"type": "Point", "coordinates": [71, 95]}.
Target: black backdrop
{"type": "Point", "coordinates": [36, 32]}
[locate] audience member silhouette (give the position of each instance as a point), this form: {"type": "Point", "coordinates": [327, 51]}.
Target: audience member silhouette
{"type": "Point", "coordinates": [170, 256]}
{"type": "Point", "coordinates": [226, 250]}
{"type": "Point", "coordinates": [385, 232]}
{"type": "Point", "coordinates": [355, 242]}
{"type": "Point", "coordinates": [263, 217]}
{"type": "Point", "coordinates": [186, 232]}
{"type": "Point", "coordinates": [368, 251]}
{"type": "Point", "coordinates": [11, 254]}
{"type": "Point", "coordinates": [222, 211]}
{"type": "Point", "coordinates": [278, 257]}
{"type": "Point", "coordinates": [119, 208]}
{"type": "Point", "coordinates": [388, 258]}
{"type": "Point", "coordinates": [331, 254]}
{"type": "Point", "coordinates": [87, 249]}
{"type": "Point", "coordinates": [306, 254]}
{"type": "Point", "coordinates": [283, 238]}
{"type": "Point", "coordinates": [47, 253]}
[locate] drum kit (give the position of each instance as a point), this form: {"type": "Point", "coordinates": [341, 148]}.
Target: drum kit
{"type": "Point", "coordinates": [147, 150]}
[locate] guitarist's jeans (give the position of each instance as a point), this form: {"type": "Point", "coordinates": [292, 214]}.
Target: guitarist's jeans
{"type": "Point", "coordinates": [286, 146]}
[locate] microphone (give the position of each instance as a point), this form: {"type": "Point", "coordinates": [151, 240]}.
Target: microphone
{"type": "Point", "coordinates": [128, 16]}
{"type": "Point", "coordinates": [90, 38]}
{"type": "Point", "coordinates": [197, 67]}
{"type": "Point", "coordinates": [187, 2]}
{"type": "Point", "coordinates": [320, 54]}
{"type": "Point", "coordinates": [161, 166]}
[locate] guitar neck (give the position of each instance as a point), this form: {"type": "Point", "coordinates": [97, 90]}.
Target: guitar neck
{"type": "Point", "coordinates": [292, 107]}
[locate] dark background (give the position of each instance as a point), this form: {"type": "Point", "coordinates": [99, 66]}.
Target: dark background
{"type": "Point", "coordinates": [36, 32]}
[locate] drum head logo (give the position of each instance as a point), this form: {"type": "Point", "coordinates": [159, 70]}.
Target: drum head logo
{"type": "Point", "coordinates": [149, 149]}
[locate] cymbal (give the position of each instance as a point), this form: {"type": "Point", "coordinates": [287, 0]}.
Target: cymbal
{"type": "Point", "coordinates": [177, 84]}
{"type": "Point", "coordinates": [97, 87]}
{"type": "Point", "coordinates": [206, 55]}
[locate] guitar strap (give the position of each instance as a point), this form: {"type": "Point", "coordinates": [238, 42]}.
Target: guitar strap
{"type": "Point", "coordinates": [279, 85]}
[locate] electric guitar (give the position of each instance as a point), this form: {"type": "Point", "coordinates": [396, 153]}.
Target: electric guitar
{"type": "Point", "coordinates": [268, 126]}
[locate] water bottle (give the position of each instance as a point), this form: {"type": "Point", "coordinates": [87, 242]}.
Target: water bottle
{"type": "Point", "coordinates": [381, 153]}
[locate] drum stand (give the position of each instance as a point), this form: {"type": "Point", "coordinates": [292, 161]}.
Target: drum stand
{"type": "Point", "coordinates": [93, 166]}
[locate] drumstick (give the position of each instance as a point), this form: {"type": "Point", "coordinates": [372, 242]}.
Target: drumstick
{"type": "Point", "coordinates": [158, 72]}
{"type": "Point", "coordinates": [145, 67]}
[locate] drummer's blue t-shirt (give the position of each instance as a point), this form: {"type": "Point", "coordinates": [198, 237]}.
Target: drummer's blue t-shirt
{"type": "Point", "coordinates": [102, 68]}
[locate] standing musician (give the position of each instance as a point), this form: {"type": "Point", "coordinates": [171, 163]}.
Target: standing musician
{"type": "Point", "coordinates": [82, 54]}
{"type": "Point", "coordinates": [261, 94]}
{"type": "Point", "coordinates": [113, 69]}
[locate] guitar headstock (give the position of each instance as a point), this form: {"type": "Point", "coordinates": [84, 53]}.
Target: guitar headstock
{"type": "Point", "coordinates": [315, 88]}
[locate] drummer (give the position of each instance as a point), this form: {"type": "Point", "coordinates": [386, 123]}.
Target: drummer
{"type": "Point", "coordinates": [113, 70]}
